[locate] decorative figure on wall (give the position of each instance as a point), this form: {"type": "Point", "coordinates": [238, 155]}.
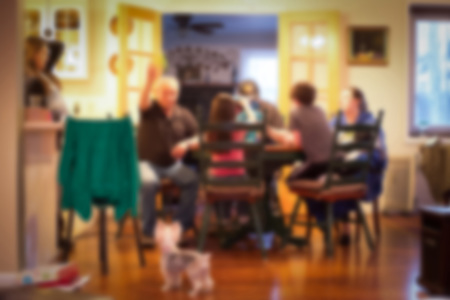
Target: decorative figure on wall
{"type": "Point", "coordinates": [113, 25]}
{"type": "Point", "coordinates": [114, 60]}
{"type": "Point", "coordinates": [200, 64]}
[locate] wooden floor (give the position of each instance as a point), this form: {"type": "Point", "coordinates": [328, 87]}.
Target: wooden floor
{"type": "Point", "coordinates": [354, 273]}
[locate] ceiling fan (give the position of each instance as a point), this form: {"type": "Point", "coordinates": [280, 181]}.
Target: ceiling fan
{"type": "Point", "coordinates": [184, 23]}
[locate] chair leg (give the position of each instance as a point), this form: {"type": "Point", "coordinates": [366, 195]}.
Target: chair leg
{"type": "Point", "coordinates": [139, 247]}
{"type": "Point", "coordinates": [195, 230]}
{"type": "Point", "coordinates": [376, 218]}
{"type": "Point", "coordinates": [121, 226]}
{"type": "Point", "coordinates": [309, 226]}
{"type": "Point", "coordinates": [337, 228]}
{"type": "Point", "coordinates": [362, 221]}
{"type": "Point", "coordinates": [292, 220]}
{"type": "Point", "coordinates": [220, 225]}
{"type": "Point", "coordinates": [329, 229]}
{"type": "Point", "coordinates": [103, 253]}
{"type": "Point", "coordinates": [258, 228]}
{"type": "Point", "coordinates": [204, 229]}
{"type": "Point", "coordinates": [68, 239]}
{"type": "Point", "coordinates": [358, 232]}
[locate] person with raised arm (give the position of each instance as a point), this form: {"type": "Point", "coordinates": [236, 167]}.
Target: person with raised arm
{"type": "Point", "coordinates": [164, 136]}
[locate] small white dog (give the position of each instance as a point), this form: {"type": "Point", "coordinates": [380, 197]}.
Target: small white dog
{"type": "Point", "coordinates": [175, 261]}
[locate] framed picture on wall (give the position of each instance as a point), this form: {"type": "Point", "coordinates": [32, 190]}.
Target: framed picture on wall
{"type": "Point", "coordinates": [368, 45]}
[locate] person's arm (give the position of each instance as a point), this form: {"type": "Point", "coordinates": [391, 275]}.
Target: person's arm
{"type": "Point", "coordinates": [152, 75]}
{"type": "Point", "coordinates": [180, 149]}
{"type": "Point", "coordinates": [290, 137]}
{"type": "Point", "coordinates": [248, 111]}
{"type": "Point", "coordinates": [285, 137]}
{"type": "Point", "coordinates": [190, 143]}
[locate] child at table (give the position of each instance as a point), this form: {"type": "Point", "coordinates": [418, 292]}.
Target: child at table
{"type": "Point", "coordinates": [309, 130]}
{"type": "Point", "coordinates": [225, 110]}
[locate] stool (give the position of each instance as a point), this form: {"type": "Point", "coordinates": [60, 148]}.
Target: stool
{"type": "Point", "coordinates": [103, 245]}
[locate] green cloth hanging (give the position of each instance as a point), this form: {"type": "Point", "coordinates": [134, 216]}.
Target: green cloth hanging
{"type": "Point", "coordinates": [99, 166]}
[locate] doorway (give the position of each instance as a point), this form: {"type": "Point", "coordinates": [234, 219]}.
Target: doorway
{"type": "Point", "coordinates": [212, 53]}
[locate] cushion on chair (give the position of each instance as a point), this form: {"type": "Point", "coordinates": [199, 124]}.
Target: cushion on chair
{"type": "Point", "coordinates": [315, 189]}
{"type": "Point", "coordinates": [166, 182]}
{"type": "Point", "coordinates": [242, 193]}
{"type": "Point", "coordinates": [310, 184]}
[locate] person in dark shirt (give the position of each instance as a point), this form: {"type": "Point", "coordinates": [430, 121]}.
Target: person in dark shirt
{"type": "Point", "coordinates": [165, 135]}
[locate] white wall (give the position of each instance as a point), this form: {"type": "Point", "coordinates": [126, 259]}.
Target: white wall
{"type": "Point", "coordinates": [11, 89]}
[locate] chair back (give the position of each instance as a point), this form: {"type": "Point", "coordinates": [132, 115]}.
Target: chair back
{"type": "Point", "coordinates": [253, 163]}
{"type": "Point", "coordinates": [352, 171]}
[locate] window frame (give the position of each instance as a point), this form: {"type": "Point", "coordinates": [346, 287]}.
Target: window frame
{"type": "Point", "coordinates": [422, 12]}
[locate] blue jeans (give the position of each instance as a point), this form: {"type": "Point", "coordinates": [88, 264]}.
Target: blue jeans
{"type": "Point", "coordinates": [183, 177]}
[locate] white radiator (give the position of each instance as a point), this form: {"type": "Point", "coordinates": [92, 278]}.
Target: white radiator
{"type": "Point", "coordinates": [399, 182]}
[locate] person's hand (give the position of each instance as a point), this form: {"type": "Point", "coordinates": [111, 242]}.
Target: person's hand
{"type": "Point", "coordinates": [179, 150]}
{"type": "Point", "coordinates": [152, 73]}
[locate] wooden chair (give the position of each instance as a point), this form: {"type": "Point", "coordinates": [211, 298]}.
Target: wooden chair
{"type": "Point", "coordinates": [376, 216]}
{"type": "Point", "coordinates": [249, 189]}
{"type": "Point", "coordinates": [332, 187]}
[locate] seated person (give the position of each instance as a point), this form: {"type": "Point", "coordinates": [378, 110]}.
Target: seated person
{"type": "Point", "coordinates": [355, 111]}
{"type": "Point", "coordinates": [248, 93]}
{"type": "Point", "coordinates": [225, 110]}
{"type": "Point", "coordinates": [164, 136]}
{"type": "Point", "coordinates": [253, 109]}
{"type": "Point", "coordinates": [309, 130]}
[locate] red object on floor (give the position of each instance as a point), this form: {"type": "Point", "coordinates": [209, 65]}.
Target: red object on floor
{"type": "Point", "coordinates": [66, 276]}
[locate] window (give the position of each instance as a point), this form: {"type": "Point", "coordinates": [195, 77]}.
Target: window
{"type": "Point", "coordinates": [262, 67]}
{"type": "Point", "coordinates": [64, 22]}
{"type": "Point", "coordinates": [430, 88]}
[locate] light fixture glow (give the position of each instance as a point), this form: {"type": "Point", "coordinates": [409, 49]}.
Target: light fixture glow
{"type": "Point", "coordinates": [304, 41]}
{"type": "Point", "coordinates": [318, 42]}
